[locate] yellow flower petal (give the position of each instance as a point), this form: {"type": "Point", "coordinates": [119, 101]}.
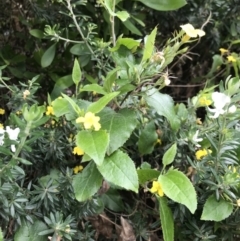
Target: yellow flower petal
{"type": "Point", "coordinates": [231, 58]}
{"type": "Point", "coordinates": [191, 31]}
{"type": "Point", "coordinates": [157, 188]}
{"type": "Point", "coordinates": [223, 51]}
{"type": "Point", "coordinates": [2, 111]}
{"type": "Point", "coordinates": [78, 151]}
{"type": "Point", "coordinates": [49, 110]}
{"type": "Point", "coordinates": [90, 121]}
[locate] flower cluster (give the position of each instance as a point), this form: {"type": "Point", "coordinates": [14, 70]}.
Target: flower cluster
{"type": "Point", "coordinates": [89, 121]}
{"type": "Point", "coordinates": [12, 134]}
{"type": "Point", "coordinates": [157, 188]}
{"type": "Point", "coordinates": [77, 169]}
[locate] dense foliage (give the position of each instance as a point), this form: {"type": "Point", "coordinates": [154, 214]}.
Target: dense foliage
{"type": "Point", "coordinates": [119, 120]}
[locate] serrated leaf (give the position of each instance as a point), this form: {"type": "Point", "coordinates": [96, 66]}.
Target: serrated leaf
{"type": "Point", "coordinates": [87, 183]}
{"type": "Point", "coordinates": [164, 105]}
{"type": "Point", "coordinates": [48, 56]}
{"type": "Point", "coordinates": [101, 103]}
{"type": "Point", "coordinates": [29, 232]}
{"type": "Point", "coordinates": [94, 144]}
{"type": "Point", "coordinates": [164, 5]}
{"type": "Point", "coordinates": [120, 170]}
{"type": "Point", "coordinates": [149, 45]}
{"type": "Point", "coordinates": [119, 126]}
{"type": "Point", "coordinates": [145, 175]}
{"type": "Point", "coordinates": [147, 139]}
{"type": "Point", "coordinates": [178, 187]}
{"type": "Point", "coordinates": [76, 72]}
{"type": "Point", "coordinates": [166, 218]}
{"type": "Point", "coordinates": [122, 15]}
{"type": "Point", "coordinates": [215, 210]}
{"type": "Point", "coordinates": [169, 155]}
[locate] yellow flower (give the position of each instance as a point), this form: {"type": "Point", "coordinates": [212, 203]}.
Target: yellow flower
{"type": "Point", "coordinates": [19, 112]}
{"type": "Point", "coordinates": [203, 101]}
{"type": "Point", "coordinates": [223, 51]}
{"type": "Point", "coordinates": [191, 31]}
{"type": "Point", "coordinates": [238, 202]}
{"type": "Point", "coordinates": [78, 151]}
{"type": "Point", "coordinates": [157, 188]}
{"type": "Point", "coordinates": [1, 126]}
{"type": "Point", "coordinates": [49, 110]}
{"type": "Point", "coordinates": [231, 58]}
{"type": "Point", "coordinates": [198, 121]}
{"type": "Point", "coordinates": [185, 38]}
{"type": "Point", "coordinates": [202, 153]}
{"type": "Point", "coordinates": [77, 169]}
{"type": "Point", "coordinates": [89, 121]}
{"type": "Point", "coordinates": [2, 111]}
{"type": "Point", "coordinates": [159, 141]}
{"type": "Point", "coordinates": [26, 93]}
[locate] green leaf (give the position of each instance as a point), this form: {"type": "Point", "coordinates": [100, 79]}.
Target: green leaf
{"type": "Point", "coordinates": [29, 232]}
{"type": "Point", "coordinates": [61, 84]}
{"type": "Point", "coordinates": [113, 200]}
{"type": "Point", "coordinates": [215, 210]}
{"type": "Point", "coordinates": [166, 218]}
{"type": "Point", "coordinates": [61, 107]}
{"type": "Point", "coordinates": [122, 15]}
{"type": "Point", "coordinates": [87, 183]}
{"type": "Point", "coordinates": [164, 105]}
{"type": "Point", "coordinates": [48, 56]}
{"type": "Point", "coordinates": [119, 126]}
{"type": "Point", "coordinates": [164, 5]}
{"type": "Point", "coordinates": [101, 103]}
{"type": "Point", "coordinates": [145, 175]}
{"type": "Point", "coordinates": [147, 139]}
{"type": "Point", "coordinates": [37, 33]}
{"type": "Point", "coordinates": [149, 45]}
{"type": "Point", "coordinates": [130, 26]}
{"type": "Point", "coordinates": [1, 235]}
{"type": "Point", "coordinates": [76, 72]}
{"type": "Point", "coordinates": [80, 49]}
{"type": "Point", "coordinates": [110, 79]}
{"type": "Point", "coordinates": [93, 143]}
{"type": "Point", "coordinates": [169, 155]}
{"type": "Point", "coordinates": [94, 88]}
{"type": "Point", "coordinates": [179, 188]}
{"type": "Point", "coordinates": [120, 170]}
{"type": "Point", "coordinates": [127, 42]}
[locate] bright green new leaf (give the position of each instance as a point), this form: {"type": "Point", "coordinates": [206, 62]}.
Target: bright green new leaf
{"type": "Point", "coordinates": [169, 155]}
{"type": "Point", "coordinates": [119, 126]}
{"type": "Point", "coordinates": [101, 103]}
{"type": "Point", "coordinates": [120, 170]}
{"type": "Point", "coordinates": [76, 72]}
{"type": "Point", "coordinates": [149, 45]}
{"type": "Point", "coordinates": [1, 235]}
{"type": "Point", "coordinates": [145, 175]}
{"type": "Point", "coordinates": [94, 144]}
{"type": "Point", "coordinates": [94, 88]}
{"type": "Point", "coordinates": [164, 5]}
{"type": "Point", "coordinates": [29, 232]}
{"type": "Point", "coordinates": [178, 187]}
{"type": "Point", "coordinates": [48, 56]}
{"type": "Point", "coordinates": [74, 105]}
{"type": "Point", "coordinates": [215, 210]}
{"type": "Point", "coordinates": [87, 183]}
{"type": "Point", "coordinates": [147, 139]}
{"type": "Point", "coordinates": [122, 15]}
{"type": "Point", "coordinates": [166, 218]}
{"type": "Point", "coordinates": [61, 107]}
{"type": "Point", "coordinates": [164, 105]}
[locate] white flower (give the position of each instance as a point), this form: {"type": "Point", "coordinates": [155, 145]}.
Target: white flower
{"type": "Point", "coordinates": [13, 135]}
{"type": "Point", "coordinates": [191, 31]}
{"type": "Point", "coordinates": [195, 138]}
{"type": "Point", "coordinates": [220, 100]}
{"type": "Point", "coordinates": [1, 136]}
{"type": "Point", "coordinates": [232, 109]}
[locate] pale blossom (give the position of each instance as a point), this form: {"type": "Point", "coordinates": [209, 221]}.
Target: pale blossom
{"type": "Point", "coordinates": [232, 109]}
{"type": "Point", "coordinates": [220, 100]}
{"type": "Point", "coordinates": [13, 135]}
{"type": "Point", "coordinates": [1, 136]}
{"type": "Point", "coordinates": [195, 139]}
{"type": "Point", "coordinates": [191, 31]}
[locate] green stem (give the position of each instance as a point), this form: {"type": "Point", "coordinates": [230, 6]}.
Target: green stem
{"type": "Point", "coordinates": [6, 85]}
{"type": "Point", "coordinates": [112, 20]}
